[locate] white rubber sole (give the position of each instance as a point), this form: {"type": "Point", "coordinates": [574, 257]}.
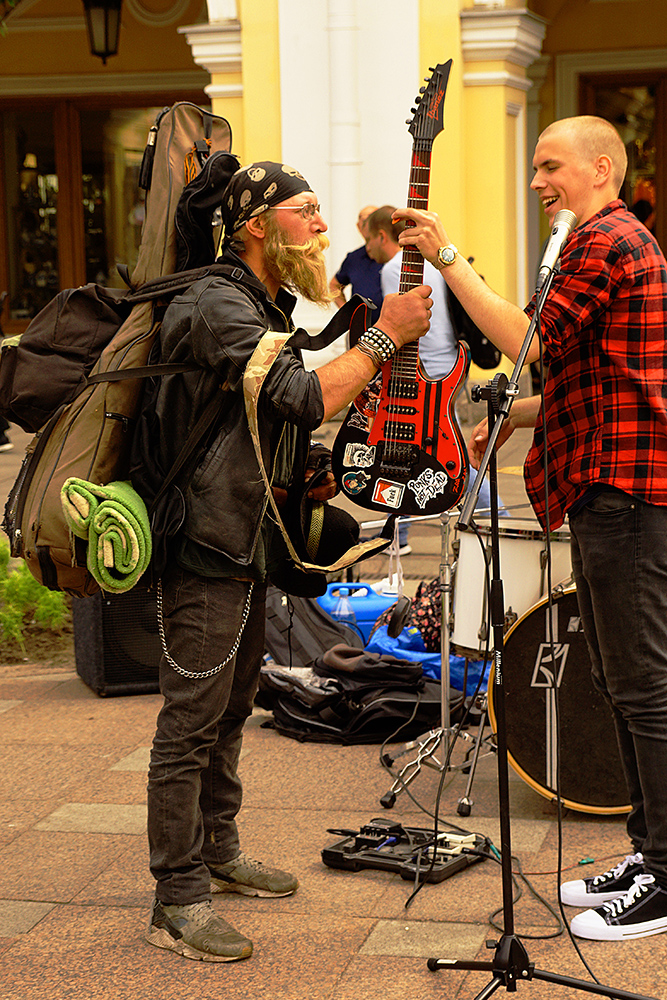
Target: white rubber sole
{"type": "Point", "coordinates": [591, 926]}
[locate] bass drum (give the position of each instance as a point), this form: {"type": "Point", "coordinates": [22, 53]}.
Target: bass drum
{"type": "Point", "coordinates": [591, 777]}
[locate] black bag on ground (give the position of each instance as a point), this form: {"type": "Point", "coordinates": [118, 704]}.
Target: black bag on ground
{"type": "Point", "coordinates": [352, 698]}
{"type": "Point", "coordinates": [298, 630]}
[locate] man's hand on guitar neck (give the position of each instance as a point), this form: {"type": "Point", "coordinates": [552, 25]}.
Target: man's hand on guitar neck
{"type": "Point", "coordinates": [501, 321]}
{"type": "Point", "coordinates": [403, 318]}
{"type": "Point", "coordinates": [406, 317]}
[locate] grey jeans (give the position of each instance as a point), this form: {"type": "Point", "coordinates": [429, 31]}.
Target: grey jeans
{"type": "Point", "coordinates": [194, 792]}
{"type": "Point", "coordinates": [619, 559]}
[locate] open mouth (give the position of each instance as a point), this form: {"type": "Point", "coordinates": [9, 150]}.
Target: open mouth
{"type": "Point", "coordinates": [548, 202]}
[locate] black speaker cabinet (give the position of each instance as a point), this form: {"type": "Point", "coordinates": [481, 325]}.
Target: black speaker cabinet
{"type": "Point", "coordinates": [116, 642]}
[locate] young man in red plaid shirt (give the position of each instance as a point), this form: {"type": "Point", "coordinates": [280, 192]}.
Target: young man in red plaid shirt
{"type": "Point", "coordinates": [603, 326]}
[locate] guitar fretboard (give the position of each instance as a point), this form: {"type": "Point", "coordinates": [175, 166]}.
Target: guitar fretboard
{"type": "Point", "coordinates": [405, 362]}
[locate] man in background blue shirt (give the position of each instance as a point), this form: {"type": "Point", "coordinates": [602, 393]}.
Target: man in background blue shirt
{"type": "Point", "coordinates": [359, 271]}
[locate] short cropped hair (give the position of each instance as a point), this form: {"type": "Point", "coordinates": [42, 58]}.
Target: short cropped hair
{"type": "Point", "coordinates": [380, 221]}
{"type": "Point", "coordinates": [595, 137]}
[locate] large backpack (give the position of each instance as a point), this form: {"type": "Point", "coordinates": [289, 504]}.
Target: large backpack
{"type": "Point", "coordinates": [298, 630]}
{"type": "Point", "coordinates": [90, 435]}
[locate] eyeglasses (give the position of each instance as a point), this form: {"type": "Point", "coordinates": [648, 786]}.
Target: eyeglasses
{"type": "Point", "coordinates": [308, 211]}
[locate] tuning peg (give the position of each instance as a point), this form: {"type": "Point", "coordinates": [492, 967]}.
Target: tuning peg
{"type": "Point", "coordinates": [418, 100]}
{"type": "Point", "coordinates": [422, 90]}
{"type": "Point", "coordinates": [431, 69]}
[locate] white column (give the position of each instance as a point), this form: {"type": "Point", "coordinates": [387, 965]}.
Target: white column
{"type": "Point", "coordinates": [344, 123]}
{"type": "Point", "coordinates": [216, 46]}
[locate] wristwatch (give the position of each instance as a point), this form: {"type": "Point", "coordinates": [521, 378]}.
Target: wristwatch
{"type": "Point", "coordinates": [447, 255]}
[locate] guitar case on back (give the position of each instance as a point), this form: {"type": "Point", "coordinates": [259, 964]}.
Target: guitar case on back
{"type": "Point", "coordinates": [90, 437]}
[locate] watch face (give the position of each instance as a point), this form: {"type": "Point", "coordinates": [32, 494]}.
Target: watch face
{"type": "Point", "coordinates": [447, 254]}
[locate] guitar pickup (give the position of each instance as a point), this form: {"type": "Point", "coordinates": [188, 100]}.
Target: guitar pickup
{"type": "Point", "coordinates": [401, 411]}
{"type": "Point", "coordinates": [398, 431]}
{"type": "Point", "coordinates": [398, 389]}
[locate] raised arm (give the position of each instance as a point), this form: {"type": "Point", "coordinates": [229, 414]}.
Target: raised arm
{"type": "Point", "coordinates": [502, 322]}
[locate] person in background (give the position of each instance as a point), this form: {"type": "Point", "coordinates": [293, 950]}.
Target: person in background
{"type": "Point", "coordinates": [359, 271]}
{"type": "Point", "coordinates": [438, 350]}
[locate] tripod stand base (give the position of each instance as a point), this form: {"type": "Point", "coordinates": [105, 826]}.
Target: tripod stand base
{"type": "Point", "coordinates": [511, 965]}
{"type": "Point", "coordinates": [427, 746]}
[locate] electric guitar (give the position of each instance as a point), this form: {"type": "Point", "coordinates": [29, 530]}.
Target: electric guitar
{"type": "Point", "coordinates": [400, 449]}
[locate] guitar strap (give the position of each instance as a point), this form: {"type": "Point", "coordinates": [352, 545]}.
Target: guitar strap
{"type": "Point", "coordinates": [256, 371]}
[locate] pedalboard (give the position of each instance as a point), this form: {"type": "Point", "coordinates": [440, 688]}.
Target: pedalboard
{"type": "Point", "coordinates": [410, 851]}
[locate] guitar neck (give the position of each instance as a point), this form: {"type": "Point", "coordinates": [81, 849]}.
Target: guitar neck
{"type": "Point", "coordinates": [405, 361]}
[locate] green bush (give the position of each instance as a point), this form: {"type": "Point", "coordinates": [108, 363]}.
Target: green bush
{"type": "Point", "coordinates": [25, 603]}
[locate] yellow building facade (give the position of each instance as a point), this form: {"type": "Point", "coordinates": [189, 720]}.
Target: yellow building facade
{"type": "Point", "coordinates": [328, 85]}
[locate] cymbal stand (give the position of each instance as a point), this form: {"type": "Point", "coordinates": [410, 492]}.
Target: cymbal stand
{"type": "Point", "coordinates": [428, 744]}
{"type": "Point", "coordinates": [511, 963]}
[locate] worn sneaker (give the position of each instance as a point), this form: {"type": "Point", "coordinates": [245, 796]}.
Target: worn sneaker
{"type": "Point", "coordinates": [602, 888]}
{"type": "Point", "coordinates": [196, 931]}
{"type": "Point", "coordinates": [251, 878]}
{"type": "Point", "coordinates": [639, 913]}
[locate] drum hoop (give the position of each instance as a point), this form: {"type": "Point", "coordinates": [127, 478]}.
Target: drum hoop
{"type": "Point", "coordinates": [546, 793]}
{"type": "Point", "coordinates": [527, 534]}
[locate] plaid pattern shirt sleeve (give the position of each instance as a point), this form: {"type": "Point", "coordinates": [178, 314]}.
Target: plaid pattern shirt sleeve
{"type": "Point", "coordinates": [603, 327]}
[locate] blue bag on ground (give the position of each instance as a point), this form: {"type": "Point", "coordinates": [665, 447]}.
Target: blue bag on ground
{"type": "Point", "coordinates": [409, 645]}
{"type": "Point", "coordinates": [420, 640]}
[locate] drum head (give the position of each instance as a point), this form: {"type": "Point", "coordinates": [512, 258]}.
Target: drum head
{"type": "Point", "coordinates": [591, 777]}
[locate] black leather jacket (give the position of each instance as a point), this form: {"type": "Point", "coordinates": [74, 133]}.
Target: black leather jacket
{"type": "Point", "coordinates": [217, 323]}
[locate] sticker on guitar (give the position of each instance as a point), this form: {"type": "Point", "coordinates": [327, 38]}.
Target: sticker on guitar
{"type": "Point", "coordinates": [355, 482]}
{"type": "Point", "coordinates": [388, 494]}
{"type": "Point", "coordinates": [428, 485]}
{"type": "Point", "coordinates": [361, 456]}
{"type": "Point", "coordinates": [365, 406]}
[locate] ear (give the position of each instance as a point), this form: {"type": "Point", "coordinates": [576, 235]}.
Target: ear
{"type": "Point", "coordinates": [604, 170]}
{"type": "Point", "coordinates": [255, 227]}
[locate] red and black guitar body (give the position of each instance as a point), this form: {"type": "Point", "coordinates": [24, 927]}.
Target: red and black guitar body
{"type": "Point", "coordinates": [400, 449]}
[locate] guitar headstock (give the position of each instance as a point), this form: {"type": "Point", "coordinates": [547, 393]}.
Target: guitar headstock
{"type": "Point", "coordinates": [428, 116]}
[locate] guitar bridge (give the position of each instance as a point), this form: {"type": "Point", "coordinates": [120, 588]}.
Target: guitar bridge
{"type": "Point", "coordinates": [399, 459]}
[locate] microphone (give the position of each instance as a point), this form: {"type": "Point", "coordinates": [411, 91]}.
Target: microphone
{"type": "Point", "coordinates": [564, 223]}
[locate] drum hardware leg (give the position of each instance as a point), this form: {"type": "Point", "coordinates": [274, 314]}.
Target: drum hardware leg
{"type": "Point", "coordinates": [465, 803]}
{"type": "Point", "coordinates": [511, 963]}
{"type": "Point", "coordinates": [428, 744]}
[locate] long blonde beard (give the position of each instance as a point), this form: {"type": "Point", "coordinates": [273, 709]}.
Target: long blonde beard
{"type": "Point", "coordinates": [301, 268]}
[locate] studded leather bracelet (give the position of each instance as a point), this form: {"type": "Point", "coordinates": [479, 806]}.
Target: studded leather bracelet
{"type": "Point", "coordinates": [377, 344]}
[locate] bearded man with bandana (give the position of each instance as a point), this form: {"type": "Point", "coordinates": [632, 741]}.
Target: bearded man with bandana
{"type": "Point", "coordinates": [213, 591]}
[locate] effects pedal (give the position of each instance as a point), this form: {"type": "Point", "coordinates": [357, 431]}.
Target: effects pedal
{"type": "Point", "coordinates": [408, 850]}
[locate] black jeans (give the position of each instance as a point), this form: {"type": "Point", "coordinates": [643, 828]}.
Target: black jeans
{"type": "Point", "coordinates": [619, 559]}
{"type": "Point", "coordinates": [194, 792]}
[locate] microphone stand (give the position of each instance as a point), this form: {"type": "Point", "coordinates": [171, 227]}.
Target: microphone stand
{"type": "Point", "coordinates": [511, 963]}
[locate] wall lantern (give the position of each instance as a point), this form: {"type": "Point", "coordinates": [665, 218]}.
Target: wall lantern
{"type": "Point", "coordinates": [103, 25]}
